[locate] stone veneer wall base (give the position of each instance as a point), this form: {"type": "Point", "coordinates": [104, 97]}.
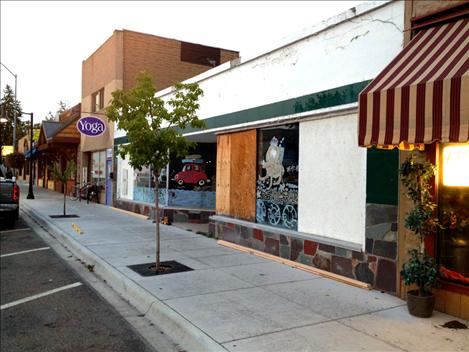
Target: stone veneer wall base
{"type": "Point", "coordinates": [174, 214]}
{"type": "Point", "coordinates": [377, 268]}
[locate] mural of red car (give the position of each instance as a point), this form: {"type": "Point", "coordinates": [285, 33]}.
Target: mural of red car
{"type": "Point", "coordinates": [193, 173]}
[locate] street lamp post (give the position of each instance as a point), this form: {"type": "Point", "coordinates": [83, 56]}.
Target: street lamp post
{"type": "Point", "coordinates": [14, 110]}
{"type": "Point", "coordinates": [2, 121]}
{"type": "Point", "coordinates": [30, 191]}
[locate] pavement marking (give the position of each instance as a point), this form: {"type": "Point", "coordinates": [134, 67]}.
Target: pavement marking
{"type": "Point", "coordinates": [39, 295]}
{"type": "Point", "coordinates": [15, 230]}
{"type": "Point", "coordinates": [23, 252]}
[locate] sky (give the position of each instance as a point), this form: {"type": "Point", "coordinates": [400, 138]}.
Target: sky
{"type": "Point", "coordinates": [45, 42]}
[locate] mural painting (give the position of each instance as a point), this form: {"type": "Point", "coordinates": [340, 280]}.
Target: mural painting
{"type": "Point", "coordinates": [277, 182]}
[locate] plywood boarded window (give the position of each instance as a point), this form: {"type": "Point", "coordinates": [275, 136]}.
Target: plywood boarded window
{"type": "Point", "coordinates": [236, 175]}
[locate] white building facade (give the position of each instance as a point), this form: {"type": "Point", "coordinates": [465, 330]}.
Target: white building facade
{"type": "Point", "coordinates": [290, 178]}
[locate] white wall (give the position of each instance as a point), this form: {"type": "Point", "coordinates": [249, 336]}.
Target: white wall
{"type": "Point", "coordinates": [332, 179]}
{"type": "Point", "coordinates": [125, 178]}
{"type": "Point", "coordinates": [354, 48]}
{"type": "Point", "coordinates": [348, 48]}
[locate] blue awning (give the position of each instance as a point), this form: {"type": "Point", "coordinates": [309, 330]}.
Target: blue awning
{"type": "Point", "coordinates": [34, 154]}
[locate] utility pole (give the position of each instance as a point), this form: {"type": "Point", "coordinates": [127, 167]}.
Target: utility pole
{"type": "Point", "coordinates": [30, 191]}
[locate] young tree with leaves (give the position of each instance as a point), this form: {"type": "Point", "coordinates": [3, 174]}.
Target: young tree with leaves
{"type": "Point", "coordinates": [153, 128]}
{"type": "Point", "coordinates": [63, 177]}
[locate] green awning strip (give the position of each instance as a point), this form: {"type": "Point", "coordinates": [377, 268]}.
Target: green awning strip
{"type": "Point", "coordinates": [328, 98]}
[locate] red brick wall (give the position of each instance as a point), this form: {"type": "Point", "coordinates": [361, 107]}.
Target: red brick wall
{"type": "Point", "coordinates": [162, 58]}
{"type": "Point", "coordinates": [103, 66]}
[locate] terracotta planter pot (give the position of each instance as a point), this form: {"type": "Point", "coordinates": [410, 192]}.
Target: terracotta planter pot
{"type": "Point", "coordinates": [419, 306]}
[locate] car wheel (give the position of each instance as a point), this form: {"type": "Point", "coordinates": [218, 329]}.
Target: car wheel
{"type": "Point", "coordinates": [180, 182]}
{"type": "Point", "coordinates": [201, 183]}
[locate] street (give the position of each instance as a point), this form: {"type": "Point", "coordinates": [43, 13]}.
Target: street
{"type": "Point", "coordinates": [47, 306]}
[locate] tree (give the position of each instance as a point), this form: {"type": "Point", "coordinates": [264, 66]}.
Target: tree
{"type": "Point", "coordinates": [8, 106]}
{"type": "Point", "coordinates": [62, 108]}
{"type": "Point", "coordinates": [153, 128]}
{"type": "Point", "coordinates": [58, 175]}
{"type": "Point", "coordinates": [49, 117]}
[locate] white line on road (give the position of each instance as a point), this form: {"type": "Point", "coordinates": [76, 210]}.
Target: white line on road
{"type": "Point", "coordinates": [23, 252]}
{"type": "Point", "coordinates": [27, 299]}
{"type": "Point", "coordinates": [15, 230]}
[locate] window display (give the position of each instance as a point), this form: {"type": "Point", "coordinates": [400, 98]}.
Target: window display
{"type": "Point", "coordinates": [277, 181]}
{"type": "Point", "coordinates": [143, 185]}
{"type": "Point", "coordinates": [453, 200]}
{"type": "Point", "coordinates": [191, 180]}
{"type": "Point", "coordinates": [98, 170]}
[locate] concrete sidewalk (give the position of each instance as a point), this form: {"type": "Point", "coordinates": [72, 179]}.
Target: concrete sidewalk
{"type": "Point", "coordinates": [235, 301]}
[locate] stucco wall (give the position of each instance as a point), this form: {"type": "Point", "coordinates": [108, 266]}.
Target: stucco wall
{"type": "Point", "coordinates": [356, 49]}
{"type": "Point", "coordinates": [332, 179]}
{"type": "Point", "coordinates": [106, 140]}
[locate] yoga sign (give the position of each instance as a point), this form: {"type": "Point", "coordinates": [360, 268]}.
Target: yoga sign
{"type": "Point", "coordinates": [91, 126]}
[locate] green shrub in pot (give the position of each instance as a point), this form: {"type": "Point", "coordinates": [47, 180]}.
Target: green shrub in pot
{"type": "Point", "coordinates": [421, 269]}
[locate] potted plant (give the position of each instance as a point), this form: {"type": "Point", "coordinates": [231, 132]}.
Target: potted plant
{"type": "Point", "coordinates": [421, 269]}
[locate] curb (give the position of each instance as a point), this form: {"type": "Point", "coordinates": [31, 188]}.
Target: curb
{"type": "Point", "coordinates": [178, 328]}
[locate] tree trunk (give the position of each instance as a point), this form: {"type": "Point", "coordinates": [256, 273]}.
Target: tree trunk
{"type": "Point", "coordinates": [65, 195]}
{"type": "Point", "coordinates": [157, 222]}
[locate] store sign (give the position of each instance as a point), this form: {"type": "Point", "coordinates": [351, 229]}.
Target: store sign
{"type": "Point", "coordinates": [91, 126]}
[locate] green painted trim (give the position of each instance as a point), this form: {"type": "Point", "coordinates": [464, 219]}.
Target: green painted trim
{"type": "Point", "coordinates": [121, 140]}
{"type": "Point", "coordinates": [332, 97]}
{"type": "Point", "coordinates": [327, 98]}
{"type": "Point", "coordinates": [382, 176]}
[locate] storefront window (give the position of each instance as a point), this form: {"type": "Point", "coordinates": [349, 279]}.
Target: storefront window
{"type": "Point", "coordinates": [453, 199]}
{"type": "Point", "coordinates": [277, 181]}
{"type": "Point", "coordinates": [192, 178]}
{"type": "Point", "coordinates": [98, 170]}
{"type": "Point", "coordinates": [143, 191]}
{"type": "Point", "coordinates": [191, 181]}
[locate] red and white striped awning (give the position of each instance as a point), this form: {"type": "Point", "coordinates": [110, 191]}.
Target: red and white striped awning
{"type": "Point", "coordinates": [422, 96]}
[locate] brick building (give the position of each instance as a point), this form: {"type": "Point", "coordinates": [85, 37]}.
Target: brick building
{"type": "Point", "coordinates": [113, 66]}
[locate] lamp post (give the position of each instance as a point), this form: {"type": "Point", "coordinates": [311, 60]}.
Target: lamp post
{"type": "Point", "coordinates": [2, 121]}
{"type": "Point", "coordinates": [14, 110]}
{"type": "Point", "coordinates": [30, 191]}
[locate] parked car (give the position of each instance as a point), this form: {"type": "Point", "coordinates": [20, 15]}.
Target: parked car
{"type": "Point", "coordinates": [9, 198]}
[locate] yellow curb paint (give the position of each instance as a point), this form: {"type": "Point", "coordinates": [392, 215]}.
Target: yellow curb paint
{"type": "Point", "coordinates": [77, 229]}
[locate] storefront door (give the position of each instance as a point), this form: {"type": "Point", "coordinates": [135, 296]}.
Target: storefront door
{"type": "Point", "coordinates": [108, 182]}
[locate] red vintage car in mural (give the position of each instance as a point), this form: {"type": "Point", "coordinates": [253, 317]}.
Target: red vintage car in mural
{"type": "Point", "coordinates": [193, 173]}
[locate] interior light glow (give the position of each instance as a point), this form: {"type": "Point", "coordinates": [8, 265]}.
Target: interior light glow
{"type": "Point", "coordinates": [456, 165]}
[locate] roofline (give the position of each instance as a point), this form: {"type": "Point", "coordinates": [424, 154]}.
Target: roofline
{"type": "Point", "coordinates": [314, 30]}
{"type": "Point", "coordinates": [178, 40]}
{"type": "Point", "coordinates": [123, 30]}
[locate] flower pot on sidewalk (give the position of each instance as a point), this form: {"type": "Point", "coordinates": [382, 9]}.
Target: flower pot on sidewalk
{"type": "Point", "coordinates": [420, 306]}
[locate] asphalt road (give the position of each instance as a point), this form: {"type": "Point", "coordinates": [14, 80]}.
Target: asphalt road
{"type": "Point", "coordinates": [75, 318]}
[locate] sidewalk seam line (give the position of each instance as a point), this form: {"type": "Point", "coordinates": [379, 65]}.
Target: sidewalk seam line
{"type": "Point", "coordinates": [330, 320]}
{"type": "Point", "coordinates": [50, 227]}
